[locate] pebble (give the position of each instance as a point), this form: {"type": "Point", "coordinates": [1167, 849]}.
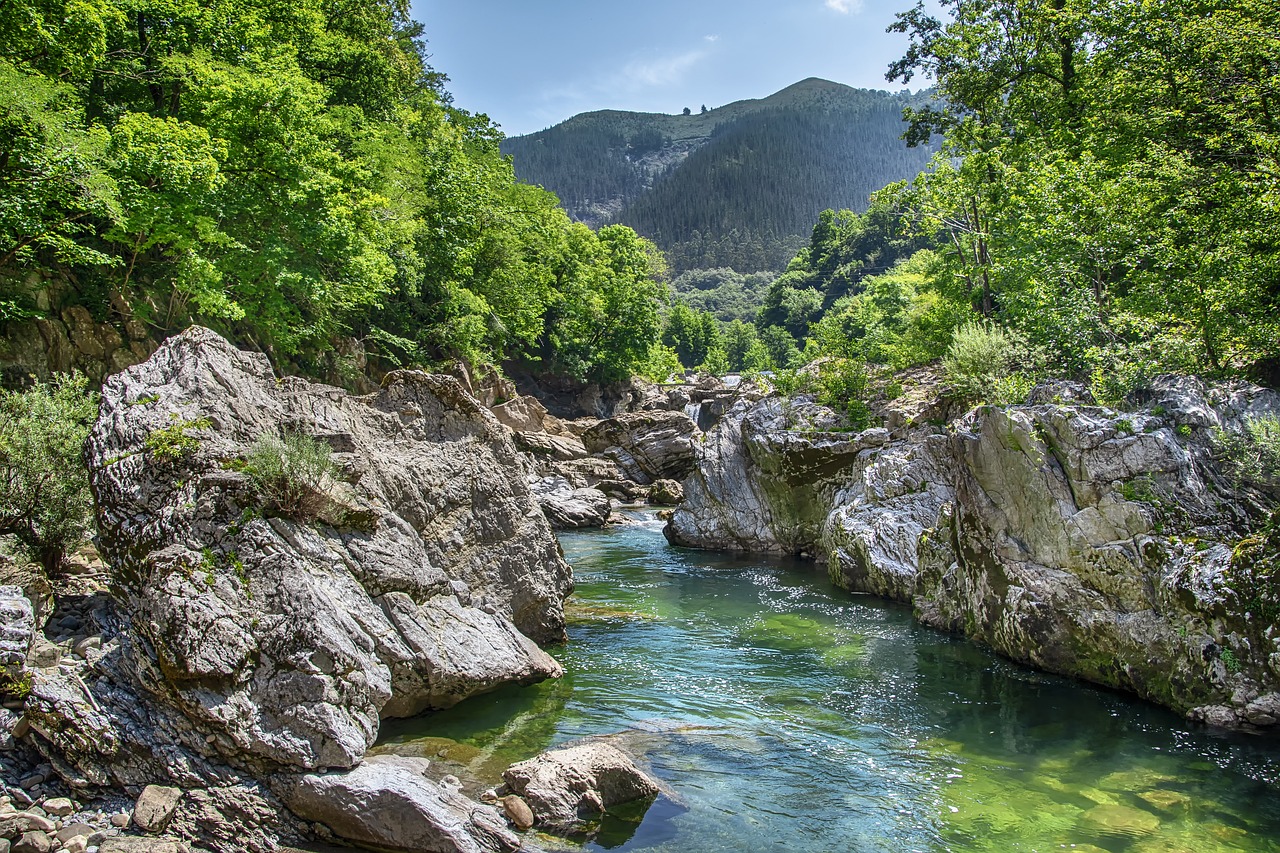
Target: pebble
{"type": "Point", "coordinates": [29, 782]}
{"type": "Point", "coordinates": [120, 820]}
{"type": "Point", "coordinates": [518, 812]}
{"type": "Point", "coordinates": [79, 844]}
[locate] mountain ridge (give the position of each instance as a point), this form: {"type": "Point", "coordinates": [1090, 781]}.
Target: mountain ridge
{"type": "Point", "coordinates": [736, 186]}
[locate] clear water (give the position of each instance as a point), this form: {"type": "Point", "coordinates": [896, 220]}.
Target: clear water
{"type": "Point", "coordinates": [786, 715]}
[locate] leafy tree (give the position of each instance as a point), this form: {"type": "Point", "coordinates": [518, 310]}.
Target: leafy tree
{"type": "Point", "coordinates": [1107, 171]}
{"type": "Point", "coordinates": [45, 501]}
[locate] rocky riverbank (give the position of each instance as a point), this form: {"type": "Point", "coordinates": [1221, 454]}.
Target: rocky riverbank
{"type": "Point", "coordinates": [1115, 546]}
{"type": "Point", "coordinates": [256, 622]}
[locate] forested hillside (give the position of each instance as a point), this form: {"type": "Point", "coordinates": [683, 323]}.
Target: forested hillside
{"type": "Point", "coordinates": [1104, 205]}
{"type": "Point", "coordinates": [738, 186]}
{"type": "Point", "coordinates": [289, 174]}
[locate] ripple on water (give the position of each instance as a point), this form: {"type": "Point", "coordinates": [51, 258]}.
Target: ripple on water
{"type": "Point", "coordinates": [786, 715]}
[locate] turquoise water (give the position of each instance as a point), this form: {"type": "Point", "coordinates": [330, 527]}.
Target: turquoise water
{"type": "Point", "coordinates": [785, 715]}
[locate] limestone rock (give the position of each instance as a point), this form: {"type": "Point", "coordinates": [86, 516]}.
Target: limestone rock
{"type": "Point", "coordinates": [566, 787]}
{"type": "Point", "coordinates": [58, 806]}
{"type": "Point", "coordinates": [648, 446]}
{"type": "Point", "coordinates": [386, 803]}
{"type": "Point", "coordinates": [33, 842]}
{"type": "Point", "coordinates": [1083, 540]}
{"type": "Point", "coordinates": [567, 508]}
{"type": "Point", "coordinates": [155, 807]}
{"type": "Point", "coordinates": [17, 621]}
{"type": "Point", "coordinates": [666, 493]}
{"type": "Point", "coordinates": [262, 642]}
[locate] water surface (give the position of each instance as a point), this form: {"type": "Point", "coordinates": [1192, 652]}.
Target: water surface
{"type": "Point", "coordinates": [786, 715]}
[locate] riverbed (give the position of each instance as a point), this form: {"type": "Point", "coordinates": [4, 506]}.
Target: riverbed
{"type": "Point", "coordinates": [787, 715]}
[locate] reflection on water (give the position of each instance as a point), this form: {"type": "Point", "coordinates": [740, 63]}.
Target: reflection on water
{"type": "Point", "coordinates": [786, 715]}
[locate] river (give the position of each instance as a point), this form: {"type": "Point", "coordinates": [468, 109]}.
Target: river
{"type": "Point", "coordinates": [786, 715]}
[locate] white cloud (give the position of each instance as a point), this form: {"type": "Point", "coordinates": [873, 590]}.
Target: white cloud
{"type": "Point", "coordinates": [845, 7]}
{"type": "Point", "coordinates": [662, 71]}
{"type": "Point", "coordinates": [711, 38]}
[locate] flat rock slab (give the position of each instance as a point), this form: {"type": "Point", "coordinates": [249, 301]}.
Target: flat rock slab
{"type": "Point", "coordinates": [386, 803]}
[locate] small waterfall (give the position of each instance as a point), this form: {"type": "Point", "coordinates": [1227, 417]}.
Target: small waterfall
{"type": "Point", "coordinates": [694, 411]}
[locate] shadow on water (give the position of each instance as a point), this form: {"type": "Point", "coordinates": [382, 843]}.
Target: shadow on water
{"type": "Point", "coordinates": [786, 715]}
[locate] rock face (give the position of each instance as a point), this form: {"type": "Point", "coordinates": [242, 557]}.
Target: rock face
{"type": "Point", "coordinates": [17, 621]}
{"type": "Point", "coordinates": [567, 508]}
{"type": "Point", "coordinates": [387, 804]}
{"type": "Point", "coordinates": [1076, 538]}
{"type": "Point", "coordinates": [648, 446]}
{"type": "Point", "coordinates": [568, 787]}
{"type": "Point", "coordinates": [250, 642]}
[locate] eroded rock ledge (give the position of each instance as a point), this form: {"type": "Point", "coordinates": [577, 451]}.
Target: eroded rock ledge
{"type": "Point", "coordinates": [247, 652]}
{"type": "Point", "coordinates": [1080, 539]}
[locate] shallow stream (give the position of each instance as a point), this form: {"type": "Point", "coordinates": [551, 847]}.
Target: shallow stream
{"type": "Point", "coordinates": [787, 715]}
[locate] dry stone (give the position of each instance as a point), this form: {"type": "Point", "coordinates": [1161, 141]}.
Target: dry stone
{"type": "Point", "coordinates": [569, 786]}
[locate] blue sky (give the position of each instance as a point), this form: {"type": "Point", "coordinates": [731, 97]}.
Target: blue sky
{"type": "Point", "coordinates": [530, 64]}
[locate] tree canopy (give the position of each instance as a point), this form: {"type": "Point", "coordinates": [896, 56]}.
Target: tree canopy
{"type": "Point", "coordinates": [286, 174]}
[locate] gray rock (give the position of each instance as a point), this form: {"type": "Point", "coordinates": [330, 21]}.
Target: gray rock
{"type": "Point", "coordinates": [1082, 540]}
{"type": "Point", "coordinates": [566, 787]}
{"type": "Point", "coordinates": [127, 844]}
{"type": "Point", "coordinates": [648, 446]}
{"type": "Point", "coordinates": [568, 508]}
{"type": "Point", "coordinates": [17, 622]}
{"type": "Point", "coordinates": [263, 643]}
{"type": "Point", "coordinates": [154, 808]}
{"type": "Point", "coordinates": [386, 803]}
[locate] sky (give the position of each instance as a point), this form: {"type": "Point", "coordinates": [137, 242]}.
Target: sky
{"type": "Point", "coordinates": [530, 64]}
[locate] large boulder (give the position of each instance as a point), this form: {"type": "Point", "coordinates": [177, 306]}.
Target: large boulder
{"type": "Point", "coordinates": [570, 787]}
{"type": "Point", "coordinates": [254, 639]}
{"type": "Point", "coordinates": [648, 445]}
{"type": "Point", "coordinates": [767, 477]}
{"type": "Point", "coordinates": [388, 804]}
{"type": "Point", "coordinates": [567, 508]}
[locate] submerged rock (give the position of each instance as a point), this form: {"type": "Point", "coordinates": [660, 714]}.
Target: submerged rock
{"type": "Point", "coordinates": [566, 788]}
{"type": "Point", "coordinates": [1080, 539]}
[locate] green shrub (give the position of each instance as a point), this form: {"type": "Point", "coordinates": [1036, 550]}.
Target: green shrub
{"type": "Point", "coordinates": [1256, 454]}
{"type": "Point", "coordinates": [45, 502]}
{"type": "Point", "coordinates": [295, 474]}
{"type": "Point", "coordinates": [171, 443]}
{"type": "Point", "coordinates": [843, 385]}
{"type": "Point", "coordinates": [981, 361]}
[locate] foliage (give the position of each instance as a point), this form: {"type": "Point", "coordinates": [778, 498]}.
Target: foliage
{"type": "Point", "coordinates": [45, 502]}
{"type": "Point", "coordinates": [288, 174]}
{"type": "Point", "coordinates": [899, 318]}
{"type": "Point", "coordinates": [662, 364]}
{"type": "Point", "coordinates": [721, 291]}
{"type": "Point", "coordinates": [692, 334]}
{"type": "Point", "coordinates": [174, 442]}
{"type": "Point", "coordinates": [1255, 454]}
{"type": "Point", "coordinates": [844, 385]}
{"type": "Point", "coordinates": [1109, 176]}
{"type": "Point", "coordinates": [982, 362]}
{"type": "Point", "coordinates": [294, 473]}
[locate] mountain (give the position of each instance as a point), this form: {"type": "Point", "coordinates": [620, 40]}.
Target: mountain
{"type": "Point", "coordinates": [739, 186]}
